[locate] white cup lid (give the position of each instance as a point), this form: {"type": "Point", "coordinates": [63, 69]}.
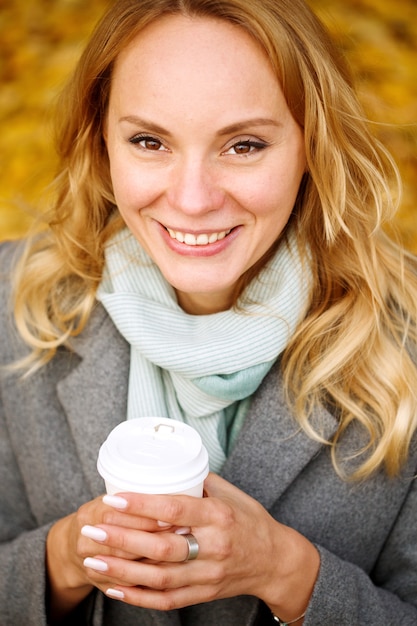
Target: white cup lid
{"type": "Point", "coordinates": [153, 455]}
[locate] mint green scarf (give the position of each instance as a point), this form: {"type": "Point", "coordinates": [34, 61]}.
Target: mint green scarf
{"type": "Point", "coordinates": [199, 369]}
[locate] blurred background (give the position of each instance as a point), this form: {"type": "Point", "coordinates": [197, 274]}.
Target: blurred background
{"type": "Point", "coordinates": [40, 41]}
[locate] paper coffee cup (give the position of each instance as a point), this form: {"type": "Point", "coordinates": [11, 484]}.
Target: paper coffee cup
{"type": "Point", "coordinates": [153, 455]}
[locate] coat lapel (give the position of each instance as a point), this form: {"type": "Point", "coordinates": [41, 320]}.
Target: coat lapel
{"type": "Point", "coordinates": [271, 449]}
{"type": "Point", "coordinates": [94, 394]}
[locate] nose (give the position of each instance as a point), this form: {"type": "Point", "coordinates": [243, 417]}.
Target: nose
{"type": "Point", "coordinates": [195, 187]}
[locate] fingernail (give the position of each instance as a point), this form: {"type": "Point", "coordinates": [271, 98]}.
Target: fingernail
{"type": "Point", "coordinates": [92, 532]}
{"type": "Point", "coordinates": [115, 501]}
{"type": "Point", "coordinates": [96, 564]}
{"type": "Point", "coordinates": [115, 593]}
{"type": "Point", "coordinates": [183, 530]}
{"type": "Point", "coordinates": [163, 524]}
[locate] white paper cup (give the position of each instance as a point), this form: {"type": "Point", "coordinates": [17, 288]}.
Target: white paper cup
{"type": "Point", "coordinates": [153, 455]}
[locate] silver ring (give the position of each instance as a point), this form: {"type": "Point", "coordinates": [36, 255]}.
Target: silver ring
{"type": "Point", "coordinates": [193, 547]}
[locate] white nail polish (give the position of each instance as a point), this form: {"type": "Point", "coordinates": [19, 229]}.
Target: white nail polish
{"type": "Point", "coordinates": [115, 593]}
{"type": "Point", "coordinates": [115, 501]}
{"type": "Point", "coordinates": [183, 530]}
{"type": "Point", "coordinates": [163, 524]}
{"type": "Point", "coordinates": [96, 564]}
{"type": "Point", "coordinates": [92, 532]}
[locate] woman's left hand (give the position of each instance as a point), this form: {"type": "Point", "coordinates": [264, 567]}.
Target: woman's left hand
{"type": "Point", "coordinates": [242, 550]}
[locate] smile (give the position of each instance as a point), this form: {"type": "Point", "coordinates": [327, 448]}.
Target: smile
{"type": "Point", "coordinates": [203, 239]}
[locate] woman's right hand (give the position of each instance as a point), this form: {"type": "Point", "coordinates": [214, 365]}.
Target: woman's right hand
{"type": "Point", "coordinates": [67, 547]}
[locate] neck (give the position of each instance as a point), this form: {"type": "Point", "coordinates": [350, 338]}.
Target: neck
{"type": "Point", "coordinates": [204, 303]}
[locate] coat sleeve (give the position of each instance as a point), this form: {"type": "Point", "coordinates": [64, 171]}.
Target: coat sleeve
{"type": "Point", "coordinates": [22, 544]}
{"type": "Point", "coordinates": [23, 576]}
{"type": "Point", "coordinates": [23, 579]}
{"type": "Point", "coordinates": [22, 547]}
{"type": "Point", "coordinates": [345, 595]}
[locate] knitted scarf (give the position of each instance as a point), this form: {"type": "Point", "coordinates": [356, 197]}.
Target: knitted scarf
{"type": "Point", "coordinates": [200, 369]}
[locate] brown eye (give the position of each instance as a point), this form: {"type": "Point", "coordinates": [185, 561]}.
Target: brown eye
{"type": "Point", "coordinates": [151, 144]}
{"type": "Point", "coordinates": [242, 148]}
{"type": "Point", "coordinates": [146, 142]}
{"type": "Point", "coordinates": [248, 146]}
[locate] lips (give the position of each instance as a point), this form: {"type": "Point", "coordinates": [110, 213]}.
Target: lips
{"type": "Point", "coordinates": [202, 239]}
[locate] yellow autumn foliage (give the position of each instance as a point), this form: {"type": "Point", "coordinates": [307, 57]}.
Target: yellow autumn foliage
{"type": "Point", "coordinates": [41, 40]}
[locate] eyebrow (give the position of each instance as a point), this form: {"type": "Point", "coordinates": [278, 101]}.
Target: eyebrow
{"type": "Point", "coordinates": [227, 130]}
{"type": "Point", "coordinates": [244, 124]}
{"type": "Point", "coordinates": [151, 126]}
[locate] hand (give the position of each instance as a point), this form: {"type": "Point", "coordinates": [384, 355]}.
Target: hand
{"type": "Point", "coordinates": [242, 550]}
{"type": "Point", "coordinates": [66, 549]}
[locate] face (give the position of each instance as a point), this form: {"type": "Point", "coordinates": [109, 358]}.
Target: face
{"type": "Point", "coordinates": [206, 159]}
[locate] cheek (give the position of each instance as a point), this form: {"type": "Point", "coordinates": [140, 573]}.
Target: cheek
{"type": "Point", "coordinates": [272, 205]}
{"type": "Point", "coordinates": [131, 189]}
{"type": "Point", "coordinates": [269, 197]}
{"type": "Point", "coordinates": [282, 188]}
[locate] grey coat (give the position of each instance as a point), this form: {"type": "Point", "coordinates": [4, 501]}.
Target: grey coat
{"type": "Point", "coordinates": [53, 423]}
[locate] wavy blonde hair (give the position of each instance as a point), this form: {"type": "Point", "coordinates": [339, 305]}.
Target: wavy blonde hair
{"type": "Point", "coordinates": [352, 351]}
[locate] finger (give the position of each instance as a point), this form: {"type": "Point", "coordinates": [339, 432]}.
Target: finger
{"type": "Point", "coordinates": [163, 600]}
{"type": "Point", "coordinates": [176, 510]}
{"type": "Point", "coordinates": [116, 514]}
{"type": "Point", "coordinates": [94, 539]}
{"type": "Point", "coordinates": [136, 522]}
{"type": "Point", "coordinates": [114, 571]}
{"type": "Point", "coordinates": [217, 487]}
{"type": "Point", "coordinates": [162, 547]}
{"type": "Point", "coordinates": [158, 576]}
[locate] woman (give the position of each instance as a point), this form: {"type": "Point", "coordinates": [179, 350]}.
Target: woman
{"type": "Point", "coordinates": [214, 254]}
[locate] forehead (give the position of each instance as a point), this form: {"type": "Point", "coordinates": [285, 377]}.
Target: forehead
{"type": "Point", "coordinates": [196, 60]}
{"type": "Point", "coordinates": [180, 44]}
{"type": "Point", "coordinates": [196, 34]}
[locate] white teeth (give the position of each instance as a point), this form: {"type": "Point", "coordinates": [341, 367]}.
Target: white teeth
{"type": "Point", "coordinates": [190, 239]}
{"type": "Point", "coordinates": [200, 240]}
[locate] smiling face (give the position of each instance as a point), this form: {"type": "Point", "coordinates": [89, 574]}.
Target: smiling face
{"type": "Point", "coordinates": [206, 159]}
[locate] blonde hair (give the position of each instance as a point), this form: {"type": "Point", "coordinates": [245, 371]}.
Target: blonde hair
{"type": "Point", "coordinates": [352, 350]}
